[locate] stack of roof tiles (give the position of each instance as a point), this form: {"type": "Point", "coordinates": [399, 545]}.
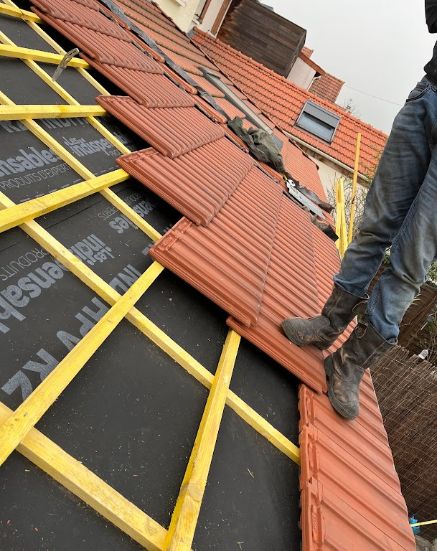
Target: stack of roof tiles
{"type": "Point", "coordinates": [252, 251]}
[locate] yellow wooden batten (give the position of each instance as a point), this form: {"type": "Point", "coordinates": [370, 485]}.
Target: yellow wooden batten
{"type": "Point", "coordinates": [155, 334]}
{"type": "Point", "coordinates": [24, 418]}
{"type": "Point", "coordinates": [18, 426]}
{"type": "Point", "coordinates": [96, 493]}
{"type": "Point", "coordinates": [13, 11]}
{"type": "Point", "coordinates": [7, 50]}
{"type": "Point", "coordinates": [16, 215]}
{"type": "Point", "coordinates": [184, 520]}
{"type": "Point", "coordinates": [20, 112]}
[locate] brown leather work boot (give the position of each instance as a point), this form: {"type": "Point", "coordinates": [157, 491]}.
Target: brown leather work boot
{"type": "Point", "coordinates": [323, 330]}
{"type": "Point", "coordinates": [345, 368]}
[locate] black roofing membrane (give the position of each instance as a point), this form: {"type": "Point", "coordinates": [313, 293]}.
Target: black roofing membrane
{"type": "Point", "coordinates": [28, 168]}
{"type": "Point", "coordinates": [188, 317]}
{"type": "Point", "coordinates": [38, 514]}
{"type": "Point", "coordinates": [22, 35]}
{"type": "Point", "coordinates": [266, 386]}
{"type": "Point", "coordinates": [74, 83]}
{"type": "Point", "coordinates": [251, 501]}
{"type": "Point", "coordinates": [23, 86]}
{"type": "Point", "coordinates": [131, 416]}
{"type": "Point", "coordinates": [132, 413]}
{"type": "Point", "coordinates": [44, 309]}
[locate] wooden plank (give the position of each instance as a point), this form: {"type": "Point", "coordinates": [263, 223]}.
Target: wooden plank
{"type": "Point", "coordinates": [83, 483]}
{"type": "Point", "coordinates": [184, 519]}
{"type": "Point", "coordinates": [24, 418]}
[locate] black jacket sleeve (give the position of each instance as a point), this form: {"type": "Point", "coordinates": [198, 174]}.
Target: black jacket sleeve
{"type": "Point", "coordinates": [431, 15]}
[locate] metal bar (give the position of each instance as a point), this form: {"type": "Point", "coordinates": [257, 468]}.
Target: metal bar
{"type": "Point", "coordinates": [16, 215]}
{"type": "Point", "coordinates": [7, 50]}
{"type": "Point", "coordinates": [83, 483]}
{"type": "Point", "coordinates": [428, 522]}
{"type": "Point", "coordinates": [20, 112]}
{"type": "Point", "coordinates": [354, 189]}
{"type": "Point", "coordinates": [24, 418]}
{"type": "Point", "coordinates": [13, 11]}
{"type": "Point", "coordinates": [186, 513]}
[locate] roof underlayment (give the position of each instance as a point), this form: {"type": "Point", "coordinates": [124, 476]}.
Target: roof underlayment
{"type": "Point", "coordinates": [230, 233]}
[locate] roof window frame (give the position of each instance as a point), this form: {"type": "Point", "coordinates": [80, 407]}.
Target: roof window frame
{"type": "Point", "coordinates": [326, 117]}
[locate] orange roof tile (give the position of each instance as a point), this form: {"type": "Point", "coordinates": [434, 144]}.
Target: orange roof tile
{"type": "Point", "coordinates": [283, 101]}
{"type": "Point", "coordinates": [327, 87]}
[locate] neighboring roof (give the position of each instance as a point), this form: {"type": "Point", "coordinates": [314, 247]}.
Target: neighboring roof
{"type": "Point", "coordinates": [283, 101]}
{"type": "Point", "coordinates": [327, 87]}
{"type": "Point", "coordinates": [243, 235]}
{"type": "Point", "coordinates": [308, 52]}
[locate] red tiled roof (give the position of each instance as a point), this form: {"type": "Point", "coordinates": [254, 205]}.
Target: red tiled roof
{"type": "Point", "coordinates": [327, 87]}
{"type": "Point", "coordinates": [197, 183]}
{"type": "Point", "coordinates": [259, 256]}
{"type": "Point", "coordinates": [307, 51]}
{"type": "Point", "coordinates": [283, 101]}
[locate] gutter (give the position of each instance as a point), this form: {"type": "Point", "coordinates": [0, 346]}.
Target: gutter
{"type": "Point", "coordinates": [326, 156]}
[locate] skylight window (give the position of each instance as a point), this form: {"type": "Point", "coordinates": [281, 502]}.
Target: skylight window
{"type": "Point", "coordinates": [318, 121]}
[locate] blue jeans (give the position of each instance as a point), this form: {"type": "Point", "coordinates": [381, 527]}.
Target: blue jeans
{"type": "Point", "coordinates": [401, 212]}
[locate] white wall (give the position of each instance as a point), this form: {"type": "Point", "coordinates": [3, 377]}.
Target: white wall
{"type": "Point", "coordinates": [181, 11]}
{"type": "Point", "coordinates": [328, 176]}
{"type": "Point", "coordinates": [211, 15]}
{"type": "Point", "coordinates": [302, 74]}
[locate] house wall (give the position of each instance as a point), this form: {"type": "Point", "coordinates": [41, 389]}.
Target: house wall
{"type": "Point", "coordinates": [301, 74]}
{"type": "Point", "coordinates": [329, 174]}
{"type": "Point", "coordinates": [211, 15]}
{"type": "Point", "coordinates": [181, 11]}
{"type": "Point", "coordinates": [263, 35]}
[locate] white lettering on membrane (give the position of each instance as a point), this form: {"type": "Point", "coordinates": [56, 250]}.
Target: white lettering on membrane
{"type": "Point", "coordinates": [43, 362]}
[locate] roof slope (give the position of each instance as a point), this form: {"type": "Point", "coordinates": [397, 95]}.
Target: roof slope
{"type": "Point", "coordinates": [283, 101]}
{"type": "Point", "coordinates": [251, 240]}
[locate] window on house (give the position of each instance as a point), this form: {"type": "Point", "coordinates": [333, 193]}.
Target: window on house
{"type": "Point", "coordinates": [318, 121]}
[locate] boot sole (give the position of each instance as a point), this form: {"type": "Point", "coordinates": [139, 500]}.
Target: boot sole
{"type": "Point", "coordinates": [293, 337]}
{"type": "Point", "coordinates": [338, 406]}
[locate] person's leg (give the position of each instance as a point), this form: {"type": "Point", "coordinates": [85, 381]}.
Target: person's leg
{"type": "Point", "coordinates": [400, 174]}
{"type": "Point", "coordinates": [412, 253]}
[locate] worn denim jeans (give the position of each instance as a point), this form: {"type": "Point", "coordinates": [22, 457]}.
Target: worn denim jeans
{"type": "Point", "coordinates": [401, 212]}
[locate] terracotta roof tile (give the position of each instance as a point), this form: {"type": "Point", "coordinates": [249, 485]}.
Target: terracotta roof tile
{"type": "Point", "coordinates": [368, 484]}
{"type": "Point", "coordinates": [327, 87]}
{"type": "Point", "coordinates": [228, 260]}
{"type": "Point", "coordinates": [173, 131]}
{"type": "Point", "coordinates": [290, 290]}
{"type": "Point", "coordinates": [197, 183]}
{"type": "Point", "coordinates": [356, 437]}
{"type": "Point", "coordinates": [283, 101]}
{"type": "Point", "coordinates": [329, 523]}
{"type": "Point", "coordinates": [84, 16]}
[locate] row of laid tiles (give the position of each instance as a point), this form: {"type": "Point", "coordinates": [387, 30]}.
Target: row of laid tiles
{"type": "Point", "coordinates": [89, 16]}
{"type": "Point", "coordinates": [290, 290]}
{"type": "Point", "coordinates": [151, 90]}
{"type": "Point", "coordinates": [228, 260]}
{"type": "Point", "coordinates": [171, 131]}
{"type": "Point", "coordinates": [198, 183]}
{"type": "Point", "coordinates": [101, 47]}
{"type": "Point", "coordinates": [348, 482]}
